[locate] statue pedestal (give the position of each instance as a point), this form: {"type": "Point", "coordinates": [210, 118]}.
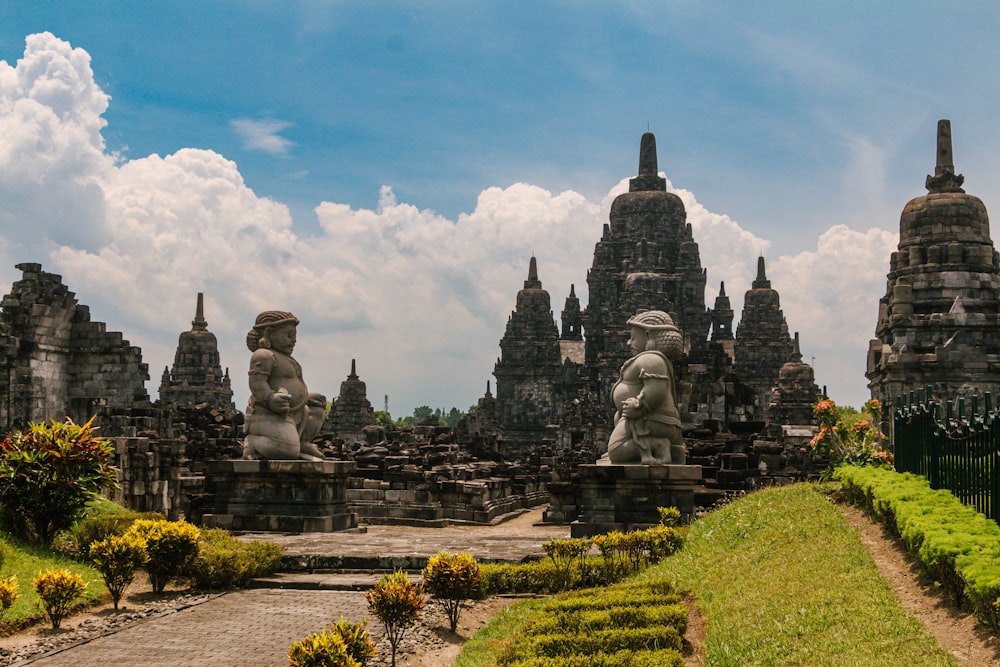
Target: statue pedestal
{"type": "Point", "coordinates": [278, 496]}
{"type": "Point", "coordinates": [625, 496]}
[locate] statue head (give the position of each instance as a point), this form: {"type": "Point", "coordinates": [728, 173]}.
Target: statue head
{"type": "Point", "coordinates": [660, 333]}
{"type": "Point", "coordinates": [267, 324]}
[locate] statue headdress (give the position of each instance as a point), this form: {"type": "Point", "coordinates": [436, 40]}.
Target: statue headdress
{"type": "Point", "coordinates": [257, 337]}
{"type": "Point", "coordinates": [663, 335]}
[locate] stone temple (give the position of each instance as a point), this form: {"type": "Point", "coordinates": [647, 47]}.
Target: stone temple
{"type": "Point", "coordinates": [555, 388]}
{"type": "Point", "coordinates": [939, 321]}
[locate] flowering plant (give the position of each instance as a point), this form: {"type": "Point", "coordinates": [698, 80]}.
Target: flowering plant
{"type": "Point", "coordinates": [842, 440]}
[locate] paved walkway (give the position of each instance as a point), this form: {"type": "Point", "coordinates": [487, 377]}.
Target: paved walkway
{"type": "Point", "coordinates": [255, 627]}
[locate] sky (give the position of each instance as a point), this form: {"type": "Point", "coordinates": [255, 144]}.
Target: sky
{"type": "Point", "coordinates": [385, 170]}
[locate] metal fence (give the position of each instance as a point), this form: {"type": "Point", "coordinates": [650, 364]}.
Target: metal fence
{"type": "Point", "coordinates": [953, 449]}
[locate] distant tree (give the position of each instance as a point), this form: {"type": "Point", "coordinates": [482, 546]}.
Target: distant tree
{"type": "Point", "coordinates": [383, 418]}
{"type": "Point", "coordinates": [454, 416]}
{"type": "Point", "coordinates": [422, 413]}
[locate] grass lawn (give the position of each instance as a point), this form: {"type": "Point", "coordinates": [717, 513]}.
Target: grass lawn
{"type": "Point", "coordinates": [781, 579]}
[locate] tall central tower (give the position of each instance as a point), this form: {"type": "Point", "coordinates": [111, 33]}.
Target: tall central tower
{"type": "Point", "coordinates": [646, 259]}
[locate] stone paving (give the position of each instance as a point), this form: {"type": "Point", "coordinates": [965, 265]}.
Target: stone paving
{"type": "Point", "coordinates": [254, 627]}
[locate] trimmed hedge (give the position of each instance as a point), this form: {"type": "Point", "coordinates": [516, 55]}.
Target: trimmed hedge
{"type": "Point", "coordinates": [958, 546]}
{"type": "Point", "coordinates": [628, 624]}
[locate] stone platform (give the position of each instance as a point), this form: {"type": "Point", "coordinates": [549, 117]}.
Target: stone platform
{"type": "Point", "coordinates": [278, 496]}
{"type": "Point", "coordinates": [625, 497]}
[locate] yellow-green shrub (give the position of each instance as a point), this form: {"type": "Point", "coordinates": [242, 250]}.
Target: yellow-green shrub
{"type": "Point", "coordinates": [58, 590]}
{"type": "Point", "coordinates": [321, 649]}
{"type": "Point", "coordinates": [117, 558]}
{"type": "Point", "coordinates": [169, 545]}
{"type": "Point", "coordinates": [8, 593]}
{"type": "Point", "coordinates": [396, 602]}
{"type": "Point", "coordinates": [451, 579]}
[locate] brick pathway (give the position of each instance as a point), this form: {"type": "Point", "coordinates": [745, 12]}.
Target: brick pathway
{"type": "Point", "coordinates": [242, 629]}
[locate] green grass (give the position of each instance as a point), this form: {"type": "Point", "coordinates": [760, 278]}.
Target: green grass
{"type": "Point", "coordinates": [781, 579]}
{"type": "Point", "coordinates": [26, 561]}
{"type": "Point", "coordinates": [482, 647]}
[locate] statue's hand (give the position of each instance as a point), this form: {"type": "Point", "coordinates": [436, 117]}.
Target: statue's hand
{"type": "Point", "coordinates": [280, 401]}
{"type": "Point", "coordinates": [631, 408]}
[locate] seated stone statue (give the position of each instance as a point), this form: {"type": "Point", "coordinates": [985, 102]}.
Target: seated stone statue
{"type": "Point", "coordinates": [647, 424]}
{"type": "Point", "coordinates": [282, 416]}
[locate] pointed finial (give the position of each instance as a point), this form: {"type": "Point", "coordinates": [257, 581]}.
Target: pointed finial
{"type": "Point", "coordinates": [796, 353]}
{"type": "Point", "coordinates": [722, 288]}
{"type": "Point", "coordinates": [488, 393]}
{"type": "Point", "coordinates": [572, 291]}
{"type": "Point", "coordinates": [532, 282]}
{"type": "Point", "coordinates": [354, 373]}
{"type": "Point", "coordinates": [944, 179]}
{"type": "Point", "coordinates": [648, 178]}
{"type": "Point", "coordinates": [761, 281]}
{"type": "Point", "coordinates": [199, 323]}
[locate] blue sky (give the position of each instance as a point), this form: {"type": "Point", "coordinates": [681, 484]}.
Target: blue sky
{"type": "Point", "coordinates": [386, 169]}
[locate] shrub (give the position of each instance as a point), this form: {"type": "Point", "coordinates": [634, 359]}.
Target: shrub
{"type": "Point", "coordinates": [563, 554]}
{"type": "Point", "coordinates": [839, 441]}
{"type": "Point", "coordinates": [75, 542]}
{"type": "Point", "coordinates": [225, 563]}
{"type": "Point", "coordinates": [57, 590]}
{"type": "Point", "coordinates": [321, 649]}
{"type": "Point", "coordinates": [541, 577]}
{"type": "Point", "coordinates": [669, 516]}
{"type": "Point", "coordinates": [655, 658]}
{"type": "Point", "coordinates": [452, 579]}
{"type": "Point", "coordinates": [356, 639]}
{"type": "Point", "coordinates": [47, 475]}
{"type": "Point", "coordinates": [397, 602]}
{"type": "Point", "coordinates": [169, 545]}
{"type": "Point", "coordinates": [117, 558]}
{"type": "Point", "coordinates": [8, 594]}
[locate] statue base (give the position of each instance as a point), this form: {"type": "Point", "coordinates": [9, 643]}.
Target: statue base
{"type": "Point", "coordinates": [625, 496]}
{"type": "Point", "coordinates": [278, 496]}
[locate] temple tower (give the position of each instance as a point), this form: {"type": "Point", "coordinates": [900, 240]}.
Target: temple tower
{"type": "Point", "coordinates": [938, 322]}
{"type": "Point", "coordinates": [196, 377]}
{"type": "Point", "coordinates": [722, 323]}
{"type": "Point", "coordinates": [646, 259]}
{"type": "Point", "coordinates": [572, 322]}
{"type": "Point", "coordinates": [529, 368]}
{"type": "Point", "coordinates": [352, 411]}
{"type": "Point", "coordinates": [762, 342]}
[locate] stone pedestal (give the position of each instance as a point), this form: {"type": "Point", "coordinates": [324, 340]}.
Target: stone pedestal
{"type": "Point", "coordinates": [625, 497]}
{"type": "Point", "coordinates": [279, 496]}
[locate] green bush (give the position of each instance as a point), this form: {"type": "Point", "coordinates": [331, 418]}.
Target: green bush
{"type": "Point", "coordinates": [58, 590]}
{"type": "Point", "coordinates": [451, 579]}
{"type": "Point", "coordinates": [602, 641]}
{"type": "Point", "coordinates": [542, 577]}
{"type": "Point", "coordinates": [656, 658]}
{"type": "Point", "coordinates": [225, 563]}
{"type": "Point", "coordinates": [564, 553]}
{"type": "Point", "coordinates": [958, 546]}
{"type": "Point", "coordinates": [633, 616]}
{"type": "Point", "coordinates": [47, 475]}
{"type": "Point", "coordinates": [396, 602]}
{"type": "Point", "coordinates": [76, 540]}
{"type": "Point", "coordinates": [169, 546]}
{"type": "Point", "coordinates": [117, 558]}
{"type": "Point", "coordinates": [356, 638]}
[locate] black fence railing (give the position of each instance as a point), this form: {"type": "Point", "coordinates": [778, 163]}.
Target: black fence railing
{"type": "Point", "coordinates": [953, 449]}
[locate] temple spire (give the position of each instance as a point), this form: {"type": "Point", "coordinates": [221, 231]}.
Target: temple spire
{"type": "Point", "coordinates": [648, 178]}
{"type": "Point", "coordinates": [761, 281]}
{"type": "Point", "coordinates": [944, 179]}
{"type": "Point", "coordinates": [722, 288]}
{"type": "Point", "coordinates": [199, 323]}
{"type": "Point", "coordinates": [354, 372]}
{"type": "Point", "coordinates": [532, 281]}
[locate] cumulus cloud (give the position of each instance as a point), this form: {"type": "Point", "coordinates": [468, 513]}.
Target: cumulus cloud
{"type": "Point", "coordinates": [418, 299]}
{"type": "Point", "coordinates": [263, 134]}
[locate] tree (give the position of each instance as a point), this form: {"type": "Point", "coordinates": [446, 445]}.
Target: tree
{"type": "Point", "coordinates": [397, 602]}
{"type": "Point", "coordinates": [48, 473]}
{"type": "Point", "coordinates": [452, 579]}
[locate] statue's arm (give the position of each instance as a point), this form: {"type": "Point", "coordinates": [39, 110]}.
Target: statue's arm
{"type": "Point", "coordinates": [262, 364]}
{"type": "Point", "coordinates": [655, 390]}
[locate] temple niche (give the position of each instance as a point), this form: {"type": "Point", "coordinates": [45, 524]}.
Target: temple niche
{"type": "Point", "coordinates": [939, 321]}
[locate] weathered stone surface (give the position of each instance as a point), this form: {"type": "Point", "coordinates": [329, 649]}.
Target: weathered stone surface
{"type": "Point", "coordinates": [939, 321]}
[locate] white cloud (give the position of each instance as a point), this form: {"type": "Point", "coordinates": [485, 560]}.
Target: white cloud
{"type": "Point", "coordinates": [418, 299]}
{"type": "Point", "coordinates": [263, 134]}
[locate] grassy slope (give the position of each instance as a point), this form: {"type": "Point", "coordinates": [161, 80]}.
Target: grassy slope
{"type": "Point", "coordinates": [26, 562]}
{"type": "Point", "coordinates": [782, 580]}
